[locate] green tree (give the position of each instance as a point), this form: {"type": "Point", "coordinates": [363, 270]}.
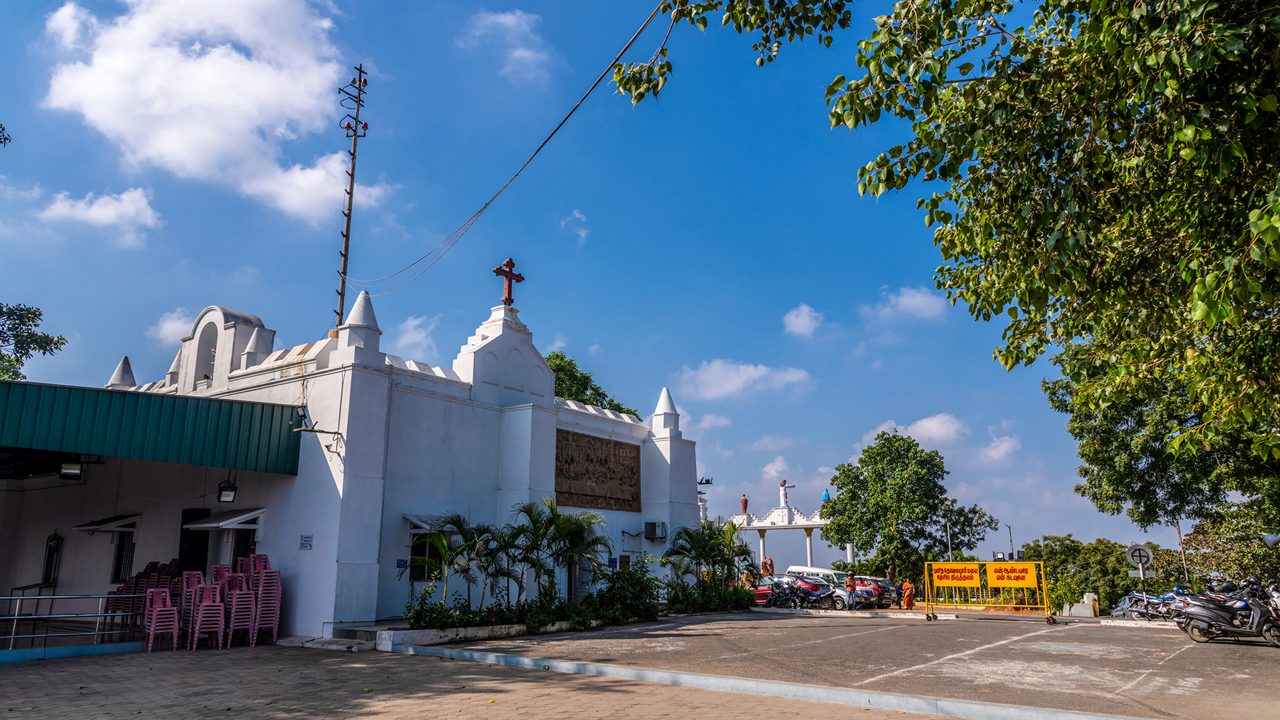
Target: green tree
{"type": "Point", "coordinates": [1127, 465]}
{"type": "Point", "coordinates": [1227, 544]}
{"type": "Point", "coordinates": [892, 504]}
{"type": "Point", "coordinates": [20, 338]}
{"type": "Point", "coordinates": [5, 137]}
{"type": "Point", "coordinates": [574, 383]}
{"type": "Point", "coordinates": [1073, 568]}
{"type": "Point", "coordinates": [1104, 177]}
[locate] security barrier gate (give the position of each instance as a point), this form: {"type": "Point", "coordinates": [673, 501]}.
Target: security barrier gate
{"type": "Point", "coordinates": [986, 586]}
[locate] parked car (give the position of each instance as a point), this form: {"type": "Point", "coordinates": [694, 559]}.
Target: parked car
{"type": "Point", "coordinates": [890, 597]}
{"type": "Point", "coordinates": [864, 595]}
{"type": "Point", "coordinates": [882, 592]}
{"type": "Point", "coordinates": [764, 586]}
{"type": "Point", "coordinates": [842, 597]}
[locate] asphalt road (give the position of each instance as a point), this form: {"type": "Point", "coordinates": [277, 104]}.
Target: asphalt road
{"type": "Point", "coordinates": [1084, 667]}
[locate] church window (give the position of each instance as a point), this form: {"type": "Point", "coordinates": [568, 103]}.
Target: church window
{"type": "Point", "coordinates": [206, 350]}
{"type": "Point", "coordinates": [624, 561]}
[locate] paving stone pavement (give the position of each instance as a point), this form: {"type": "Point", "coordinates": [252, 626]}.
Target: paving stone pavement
{"type": "Point", "coordinates": [275, 682]}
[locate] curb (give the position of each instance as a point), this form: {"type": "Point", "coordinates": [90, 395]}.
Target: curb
{"type": "Point", "coordinates": [850, 614]}
{"type": "Point", "coordinates": [947, 707]}
{"type": "Point", "coordinates": [1145, 624]}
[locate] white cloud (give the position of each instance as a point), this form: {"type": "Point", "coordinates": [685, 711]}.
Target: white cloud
{"type": "Point", "coordinates": [211, 91]}
{"type": "Point", "coordinates": [558, 343]}
{"type": "Point", "coordinates": [869, 436]}
{"type": "Point", "coordinates": [525, 57]}
{"type": "Point", "coordinates": [414, 340]}
{"type": "Point", "coordinates": [594, 348]}
{"type": "Point", "coordinates": [920, 303]}
{"type": "Point", "coordinates": [1000, 449]}
{"type": "Point", "coordinates": [576, 223]}
{"type": "Point", "coordinates": [171, 327]}
{"type": "Point", "coordinates": [716, 379]}
{"type": "Point", "coordinates": [771, 443]}
{"type": "Point", "coordinates": [127, 213]}
{"type": "Point", "coordinates": [775, 469]}
{"type": "Point", "coordinates": [802, 320]}
{"type": "Point", "coordinates": [940, 429]}
{"type": "Point", "coordinates": [709, 421]}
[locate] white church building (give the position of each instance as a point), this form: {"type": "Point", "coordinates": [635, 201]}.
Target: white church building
{"type": "Point", "coordinates": [329, 457]}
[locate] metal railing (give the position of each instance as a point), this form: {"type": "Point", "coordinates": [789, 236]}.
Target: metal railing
{"type": "Point", "coordinates": [98, 625]}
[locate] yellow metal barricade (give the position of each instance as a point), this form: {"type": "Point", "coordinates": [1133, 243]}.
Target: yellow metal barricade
{"type": "Point", "coordinates": [986, 587]}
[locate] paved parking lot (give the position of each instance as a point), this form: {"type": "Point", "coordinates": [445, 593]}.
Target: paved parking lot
{"type": "Point", "coordinates": [1083, 667]}
{"type": "Point", "coordinates": [274, 682]}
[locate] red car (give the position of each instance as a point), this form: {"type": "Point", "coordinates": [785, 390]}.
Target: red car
{"type": "Point", "coordinates": [765, 586]}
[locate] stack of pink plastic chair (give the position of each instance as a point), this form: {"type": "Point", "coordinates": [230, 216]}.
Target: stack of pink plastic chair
{"type": "Point", "coordinates": [268, 615]}
{"type": "Point", "coordinates": [207, 617]}
{"type": "Point", "coordinates": [161, 616]}
{"type": "Point", "coordinates": [120, 604]}
{"type": "Point", "coordinates": [244, 565]}
{"type": "Point", "coordinates": [219, 573]}
{"type": "Point", "coordinates": [191, 582]}
{"type": "Point", "coordinates": [257, 565]}
{"type": "Point", "coordinates": [241, 607]}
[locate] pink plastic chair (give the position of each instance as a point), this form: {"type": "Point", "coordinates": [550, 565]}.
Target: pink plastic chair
{"type": "Point", "coordinates": [268, 610]}
{"type": "Point", "coordinates": [219, 573]}
{"type": "Point", "coordinates": [191, 582]}
{"type": "Point", "coordinates": [162, 616]}
{"type": "Point", "coordinates": [241, 610]}
{"type": "Point", "coordinates": [208, 616]}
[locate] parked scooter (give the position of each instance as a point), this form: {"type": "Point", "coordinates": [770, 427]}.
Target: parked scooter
{"type": "Point", "coordinates": [1204, 619]}
{"type": "Point", "coordinates": [783, 595]}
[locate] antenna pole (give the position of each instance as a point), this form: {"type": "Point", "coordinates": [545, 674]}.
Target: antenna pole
{"type": "Point", "coordinates": [352, 100]}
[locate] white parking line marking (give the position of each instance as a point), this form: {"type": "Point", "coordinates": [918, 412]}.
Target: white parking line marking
{"type": "Point", "coordinates": [808, 642]}
{"type": "Point", "coordinates": [962, 654]}
{"type": "Point", "coordinates": [1144, 675]}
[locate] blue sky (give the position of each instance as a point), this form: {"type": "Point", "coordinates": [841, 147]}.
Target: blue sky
{"type": "Point", "coordinates": [169, 156]}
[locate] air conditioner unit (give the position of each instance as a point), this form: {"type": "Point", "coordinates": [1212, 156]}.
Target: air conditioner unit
{"type": "Point", "coordinates": [655, 531]}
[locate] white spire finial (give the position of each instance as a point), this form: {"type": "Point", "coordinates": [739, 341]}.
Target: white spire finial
{"type": "Point", "coordinates": [362, 313]}
{"type": "Point", "coordinates": [123, 376]}
{"type": "Point", "coordinates": [666, 406]}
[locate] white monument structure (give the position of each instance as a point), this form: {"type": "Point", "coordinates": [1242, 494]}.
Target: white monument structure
{"type": "Point", "coordinates": [388, 443]}
{"type": "Point", "coordinates": [782, 517]}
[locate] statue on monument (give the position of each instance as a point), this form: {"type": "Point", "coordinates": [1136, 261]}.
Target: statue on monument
{"type": "Point", "coordinates": [766, 566]}
{"type": "Point", "coordinates": [743, 502]}
{"type": "Point", "coordinates": [782, 493]}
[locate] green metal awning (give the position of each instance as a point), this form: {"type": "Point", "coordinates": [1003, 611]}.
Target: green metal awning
{"type": "Point", "coordinates": [146, 426]}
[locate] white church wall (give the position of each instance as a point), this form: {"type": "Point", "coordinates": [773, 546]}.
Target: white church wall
{"type": "Point", "coordinates": [364, 427]}
{"type": "Point", "coordinates": [441, 458]}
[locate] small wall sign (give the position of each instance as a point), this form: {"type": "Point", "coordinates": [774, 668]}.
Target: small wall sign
{"type": "Point", "coordinates": [304, 541]}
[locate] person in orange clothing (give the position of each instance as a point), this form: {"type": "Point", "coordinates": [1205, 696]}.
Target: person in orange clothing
{"type": "Point", "coordinates": [908, 594]}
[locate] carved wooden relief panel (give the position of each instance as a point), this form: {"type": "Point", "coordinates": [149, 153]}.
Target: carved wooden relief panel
{"type": "Point", "coordinates": [597, 473]}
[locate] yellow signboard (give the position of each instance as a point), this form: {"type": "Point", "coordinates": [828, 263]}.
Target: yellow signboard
{"type": "Point", "coordinates": [1012, 575]}
{"type": "Point", "coordinates": [954, 575]}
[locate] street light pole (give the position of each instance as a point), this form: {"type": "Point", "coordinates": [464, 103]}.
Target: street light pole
{"type": "Point", "coordinates": [1011, 556]}
{"type": "Point", "coordinates": [950, 556]}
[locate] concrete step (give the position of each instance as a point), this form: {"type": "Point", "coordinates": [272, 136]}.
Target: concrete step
{"type": "Point", "coordinates": [369, 634]}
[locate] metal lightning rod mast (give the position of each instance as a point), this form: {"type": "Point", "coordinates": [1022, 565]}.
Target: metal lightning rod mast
{"type": "Point", "coordinates": [353, 100]}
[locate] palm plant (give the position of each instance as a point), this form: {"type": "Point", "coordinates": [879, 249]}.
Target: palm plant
{"type": "Point", "coordinates": [469, 538]}
{"type": "Point", "coordinates": [533, 535]}
{"type": "Point", "coordinates": [575, 543]}
{"type": "Point", "coordinates": [494, 559]}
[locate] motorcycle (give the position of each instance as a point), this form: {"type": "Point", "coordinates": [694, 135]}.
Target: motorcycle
{"type": "Point", "coordinates": [1205, 619]}
{"type": "Point", "coordinates": [783, 595]}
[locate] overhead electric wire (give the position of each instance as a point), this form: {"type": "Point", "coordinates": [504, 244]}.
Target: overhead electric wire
{"type": "Point", "coordinates": [434, 255]}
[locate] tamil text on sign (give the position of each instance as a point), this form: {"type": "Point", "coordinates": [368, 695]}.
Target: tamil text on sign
{"type": "Point", "coordinates": [1011, 575]}
{"type": "Point", "coordinates": [955, 575]}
